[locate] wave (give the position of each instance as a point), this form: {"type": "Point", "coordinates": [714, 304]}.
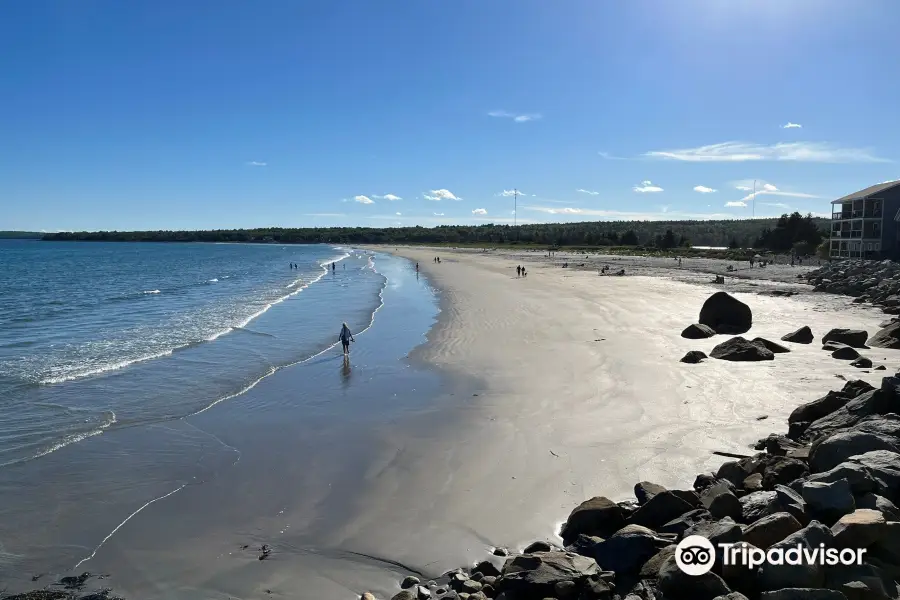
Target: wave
{"type": "Point", "coordinates": [68, 440]}
{"type": "Point", "coordinates": [214, 280]}
{"type": "Point", "coordinates": [78, 374]}
{"type": "Point", "coordinates": [151, 292]}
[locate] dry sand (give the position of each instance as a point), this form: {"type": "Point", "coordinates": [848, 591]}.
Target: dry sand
{"type": "Point", "coordinates": [583, 395]}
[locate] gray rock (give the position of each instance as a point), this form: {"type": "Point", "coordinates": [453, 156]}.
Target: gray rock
{"type": "Point", "coordinates": [803, 594]}
{"type": "Point", "coordinates": [597, 516]}
{"type": "Point", "coordinates": [650, 570]}
{"type": "Point", "coordinates": [584, 544]}
{"type": "Point", "coordinates": [627, 550]}
{"type": "Point", "coordinates": [565, 589]}
{"type": "Point", "coordinates": [862, 582]}
{"type": "Point", "coordinates": [828, 502]}
{"type": "Point", "coordinates": [676, 585]}
{"type": "Point", "coordinates": [889, 337]}
{"type": "Point", "coordinates": [862, 363]}
{"type": "Point", "coordinates": [776, 577]}
{"type": "Point", "coordinates": [846, 353]}
{"type": "Point", "coordinates": [832, 346]}
{"type": "Point", "coordinates": [881, 504]}
{"type": "Point", "coordinates": [775, 348]}
{"type": "Point", "coordinates": [538, 546]}
{"type": "Point", "coordinates": [732, 596]}
{"type": "Point", "coordinates": [409, 582]}
{"type": "Point", "coordinates": [867, 404]}
{"type": "Point", "coordinates": [721, 502]}
{"type": "Point", "coordinates": [855, 338]}
{"type": "Point", "coordinates": [859, 529]}
{"type": "Point", "coordinates": [753, 483]}
{"type": "Point", "coordinates": [740, 349]}
{"type": "Point", "coordinates": [771, 529]}
{"type": "Point", "coordinates": [725, 314]}
{"type": "Point", "coordinates": [698, 332]}
{"type": "Point", "coordinates": [486, 567]}
{"type": "Point", "coordinates": [534, 576]}
{"type": "Point", "coordinates": [470, 586]}
{"type": "Point", "coordinates": [758, 505]}
{"type": "Point", "coordinates": [838, 447]}
{"type": "Point", "coordinates": [645, 490]}
{"type": "Point", "coordinates": [812, 411]}
{"type": "Point", "coordinates": [859, 478]}
{"type": "Point", "coordinates": [736, 472]}
{"type": "Point", "coordinates": [684, 522]}
{"type": "Point", "coordinates": [782, 471]}
{"type": "Point", "coordinates": [792, 502]}
{"type": "Point", "coordinates": [725, 531]}
{"type": "Point", "coordinates": [406, 595]}
{"type": "Point", "coordinates": [660, 509]}
{"type": "Point", "coordinates": [804, 335]}
{"type": "Point", "coordinates": [693, 357]}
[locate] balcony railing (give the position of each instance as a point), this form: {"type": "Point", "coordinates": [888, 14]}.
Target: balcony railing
{"type": "Point", "coordinates": [858, 214]}
{"type": "Point", "coordinates": [838, 215]}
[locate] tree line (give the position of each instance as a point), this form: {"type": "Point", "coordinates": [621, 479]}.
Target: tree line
{"type": "Point", "coordinates": [773, 234]}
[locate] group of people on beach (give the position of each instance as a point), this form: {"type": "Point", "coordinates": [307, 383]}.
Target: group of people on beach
{"type": "Point", "coordinates": [520, 271]}
{"type": "Point", "coordinates": [294, 266]}
{"type": "Point", "coordinates": [437, 259]}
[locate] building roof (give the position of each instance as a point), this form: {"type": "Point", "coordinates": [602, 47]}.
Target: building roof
{"type": "Point", "coordinates": [873, 189]}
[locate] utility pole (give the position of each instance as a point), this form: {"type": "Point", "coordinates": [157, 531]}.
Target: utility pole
{"type": "Point", "coordinates": [516, 212]}
{"type": "Point", "coordinates": [754, 199]}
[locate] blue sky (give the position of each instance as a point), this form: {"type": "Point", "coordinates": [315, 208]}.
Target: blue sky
{"type": "Point", "coordinates": [209, 114]}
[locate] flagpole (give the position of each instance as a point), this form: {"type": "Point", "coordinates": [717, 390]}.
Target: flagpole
{"type": "Point", "coordinates": [754, 199]}
{"type": "Point", "coordinates": [516, 212]}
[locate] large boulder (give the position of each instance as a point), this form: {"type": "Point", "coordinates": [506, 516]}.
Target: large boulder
{"type": "Point", "coordinates": [771, 529]}
{"type": "Point", "coordinates": [855, 338]}
{"type": "Point", "coordinates": [782, 471]}
{"type": "Point", "coordinates": [644, 490]}
{"type": "Point", "coordinates": [684, 522]}
{"type": "Point", "coordinates": [803, 594]}
{"type": "Point", "coordinates": [597, 516]}
{"type": "Point", "coordinates": [860, 479]}
{"type": "Point", "coordinates": [884, 468]}
{"type": "Point", "coordinates": [660, 509]}
{"type": "Point", "coordinates": [828, 502]}
{"type": "Point", "coordinates": [776, 577]}
{"type": "Point", "coordinates": [721, 502]}
{"type": "Point", "coordinates": [740, 349]}
{"type": "Point", "coordinates": [859, 529]}
{"type": "Point", "coordinates": [726, 314]}
{"type": "Point", "coordinates": [628, 549]}
{"type": "Point", "coordinates": [675, 584]}
{"type": "Point", "coordinates": [863, 362]}
{"type": "Point", "coordinates": [889, 337]}
{"type": "Point", "coordinates": [815, 410]}
{"type": "Point", "coordinates": [693, 357]}
{"type": "Point", "coordinates": [698, 332]}
{"type": "Point", "coordinates": [534, 576]}
{"type": "Point", "coordinates": [881, 504]}
{"type": "Point", "coordinates": [804, 335]}
{"type": "Point", "coordinates": [845, 353]}
{"type": "Point", "coordinates": [865, 405]}
{"type": "Point", "coordinates": [839, 447]}
{"type": "Point", "coordinates": [775, 348]}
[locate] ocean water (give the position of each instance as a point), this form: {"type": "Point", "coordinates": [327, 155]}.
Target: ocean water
{"type": "Point", "coordinates": [98, 336]}
{"type": "Point", "coordinates": [161, 404]}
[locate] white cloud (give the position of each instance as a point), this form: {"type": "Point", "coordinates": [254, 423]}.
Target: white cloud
{"type": "Point", "coordinates": [364, 200]}
{"type": "Point", "coordinates": [438, 214]}
{"type": "Point", "coordinates": [790, 125]}
{"type": "Point", "coordinates": [479, 211]}
{"type": "Point", "coordinates": [647, 186]}
{"type": "Point", "coordinates": [766, 189]}
{"type": "Point", "coordinates": [441, 194]}
{"type": "Point", "coordinates": [628, 216]}
{"type": "Point", "coordinates": [821, 152]}
{"type": "Point", "coordinates": [589, 192]}
{"type": "Point", "coordinates": [510, 193]}
{"type": "Point", "coordinates": [703, 189]}
{"type": "Point", "coordinates": [254, 163]}
{"type": "Point", "coordinates": [389, 197]}
{"type": "Point", "coordinates": [736, 204]}
{"type": "Point", "coordinates": [518, 118]}
{"type": "Point", "coordinates": [398, 214]}
{"type": "Point", "coordinates": [776, 205]}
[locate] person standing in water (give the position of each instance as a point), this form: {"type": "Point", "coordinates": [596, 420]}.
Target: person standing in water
{"type": "Point", "coordinates": [346, 337]}
{"type": "Point", "coordinates": [332, 267]}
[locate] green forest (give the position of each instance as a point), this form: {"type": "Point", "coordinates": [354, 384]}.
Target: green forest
{"type": "Point", "coordinates": [790, 232]}
{"type": "Point", "coordinates": [20, 235]}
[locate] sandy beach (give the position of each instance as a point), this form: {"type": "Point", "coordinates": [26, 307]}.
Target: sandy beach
{"type": "Point", "coordinates": [582, 394]}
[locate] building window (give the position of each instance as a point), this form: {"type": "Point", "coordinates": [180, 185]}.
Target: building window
{"type": "Point", "coordinates": [870, 246]}
{"type": "Point", "coordinates": [877, 246]}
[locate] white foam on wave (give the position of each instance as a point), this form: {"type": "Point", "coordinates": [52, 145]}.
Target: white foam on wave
{"type": "Point", "coordinates": [78, 374]}
{"type": "Point", "coordinates": [151, 291]}
{"type": "Point", "coordinates": [214, 280]}
{"type": "Point", "coordinates": [68, 440]}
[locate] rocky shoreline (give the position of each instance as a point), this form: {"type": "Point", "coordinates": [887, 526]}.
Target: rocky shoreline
{"type": "Point", "coordinates": [831, 481]}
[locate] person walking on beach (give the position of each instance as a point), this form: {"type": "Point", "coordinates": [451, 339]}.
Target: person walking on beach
{"type": "Point", "coordinates": [417, 267]}
{"type": "Point", "coordinates": [332, 267]}
{"type": "Point", "coordinates": [346, 337]}
{"type": "Point", "coordinates": [524, 274]}
{"type": "Point", "coordinates": [518, 271]}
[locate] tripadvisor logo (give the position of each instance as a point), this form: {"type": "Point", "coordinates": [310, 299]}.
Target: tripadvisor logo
{"type": "Point", "coordinates": [695, 555]}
